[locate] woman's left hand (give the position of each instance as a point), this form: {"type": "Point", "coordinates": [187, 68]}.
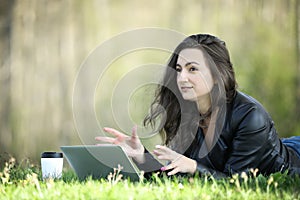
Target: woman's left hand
{"type": "Point", "coordinates": [178, 162]}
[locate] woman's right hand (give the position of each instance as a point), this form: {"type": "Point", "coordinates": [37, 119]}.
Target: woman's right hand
{"type": "Point", "coordinates": [130, 144]}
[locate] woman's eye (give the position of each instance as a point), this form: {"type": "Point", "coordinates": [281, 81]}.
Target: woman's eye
{"type": "Point", "coordinates": [178, 69]}
{"type": "Point", "coordinates": [193, 69]}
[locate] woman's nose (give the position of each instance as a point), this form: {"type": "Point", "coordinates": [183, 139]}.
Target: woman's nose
{"type": "Point", "coordinates": [183, 76]}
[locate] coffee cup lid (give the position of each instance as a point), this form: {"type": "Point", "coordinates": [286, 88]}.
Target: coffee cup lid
{"type": "Point", "coordinates": [52, 155]}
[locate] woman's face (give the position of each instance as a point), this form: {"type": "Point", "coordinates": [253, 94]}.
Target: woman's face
{"type": "Point", "coordinates": [194, 78]}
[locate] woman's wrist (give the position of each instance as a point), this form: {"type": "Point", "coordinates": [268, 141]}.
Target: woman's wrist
{"type": "Point", "coordinates": [140, 156]}
{"type": "Point", "coordinates": [193, 167]}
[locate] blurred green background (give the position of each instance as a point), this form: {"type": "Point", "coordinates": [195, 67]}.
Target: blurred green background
{"type": "Point", "coordinates": [44, 42]}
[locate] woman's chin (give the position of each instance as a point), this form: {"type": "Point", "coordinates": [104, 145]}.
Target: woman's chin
{"type": "Point", "coordinates": [189, 98]}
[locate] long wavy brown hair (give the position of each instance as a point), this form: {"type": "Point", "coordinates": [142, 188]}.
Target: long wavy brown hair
{"type": "Point", "coordinates": [179, 118]}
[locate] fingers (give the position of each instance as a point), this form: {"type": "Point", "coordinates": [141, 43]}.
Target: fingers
{"type": "Point", "coordinates": [134, 132]}
{"type": "Point", "coordinates": [114, 132]}
{"type": "Point", "coordinates": [181, 164]}
{"type": "Point", "coordinates": [174, 171]}
{"type": "Point", "coordinates": [118, 136]}
{"type": "Point", "coordinates": [165, 153]}
{"type": "Point", "coordinates": [176, 165]}
{"type": "Point", "coordinates": [169, 167]}
{"type": "Point", "coordinates": [107, 139]}
{"type": "Point", "coordinates": [163, 149]}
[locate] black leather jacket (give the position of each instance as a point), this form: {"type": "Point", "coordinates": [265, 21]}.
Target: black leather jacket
{"type": "Point", "coordinates": [248, 141]}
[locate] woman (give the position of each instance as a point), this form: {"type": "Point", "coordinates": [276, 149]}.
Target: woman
{"type": "Point", "coordinates": [210, 127]}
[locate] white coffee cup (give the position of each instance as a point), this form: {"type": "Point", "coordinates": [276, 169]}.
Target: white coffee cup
{"type": "Point", "coordinates": [52, 165]}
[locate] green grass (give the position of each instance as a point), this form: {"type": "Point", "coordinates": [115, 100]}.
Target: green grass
{"type": "Point", "coordinates": [24, 182]}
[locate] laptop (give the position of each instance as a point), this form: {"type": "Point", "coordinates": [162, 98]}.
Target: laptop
{"type": "Point", "coordinates": [99, 161]}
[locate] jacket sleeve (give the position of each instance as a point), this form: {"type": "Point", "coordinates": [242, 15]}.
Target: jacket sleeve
{"type": "Point", "coordinates": [203, 170]}
{"type": "Point", "coordinates": [250, 128]}
{"type": "Point", "coordinates": [248, 145]}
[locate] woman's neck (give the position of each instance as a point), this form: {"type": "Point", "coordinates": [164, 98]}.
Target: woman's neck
{"type": "Point", "coordinates": [204, 104]}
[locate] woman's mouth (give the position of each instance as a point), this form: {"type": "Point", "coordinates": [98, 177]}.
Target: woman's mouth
{"type": "Point", "coordinates": [185, 88]}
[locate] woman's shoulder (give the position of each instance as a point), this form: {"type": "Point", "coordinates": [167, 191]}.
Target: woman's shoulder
{"type": "Point", "coordinates": [248, 110]}
{"type": "Point", "coordinates": [245, 102]}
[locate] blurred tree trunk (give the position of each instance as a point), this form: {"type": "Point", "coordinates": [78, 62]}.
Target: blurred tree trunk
{"type": "Point", "coordinates": [49, 41]}
{"type": "Point", "coordinates": [297, 43]}
{"type": "Point", "coordinates": [6, 10]}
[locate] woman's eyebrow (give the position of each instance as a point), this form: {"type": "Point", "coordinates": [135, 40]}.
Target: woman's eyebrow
{"type": "Point", "coordinates": [187, 64]}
